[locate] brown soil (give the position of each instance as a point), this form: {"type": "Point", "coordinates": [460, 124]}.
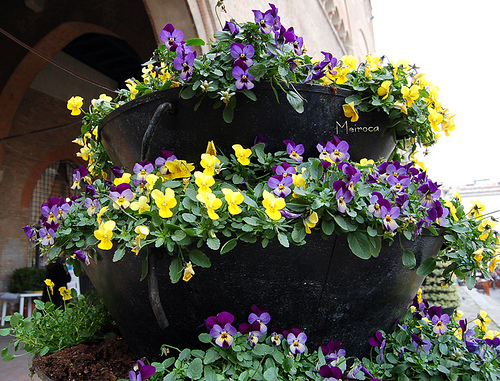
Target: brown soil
{"type": "Point", "coordinates": [108, 360]}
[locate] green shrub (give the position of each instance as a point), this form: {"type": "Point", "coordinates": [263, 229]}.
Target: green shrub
{"type": "Point", "coordinates": [27, 279]}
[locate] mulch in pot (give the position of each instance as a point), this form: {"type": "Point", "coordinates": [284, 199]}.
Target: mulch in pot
{"type": "Point", "coordinates": [108, 360]}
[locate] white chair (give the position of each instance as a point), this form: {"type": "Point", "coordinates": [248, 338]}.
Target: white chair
{"type": "Point", "coordinates": [8, 298]}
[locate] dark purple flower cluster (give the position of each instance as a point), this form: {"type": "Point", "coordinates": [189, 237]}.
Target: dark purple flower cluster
{"type": "Point", "coordinates": [222, 330]}
{"type": "Point", "coordinates": [174, 41]}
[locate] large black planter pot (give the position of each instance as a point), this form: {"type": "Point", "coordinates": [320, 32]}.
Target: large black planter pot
{"type": "Point", "coordinates": [163, 121]}
{"type": "Point", "coordinates": [320, 287]}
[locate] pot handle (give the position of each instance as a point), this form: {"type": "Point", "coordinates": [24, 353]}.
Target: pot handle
{"type": "Point", "coordinates": [154, 294]}
{"type": "Point", "coordinates": [153, 125]}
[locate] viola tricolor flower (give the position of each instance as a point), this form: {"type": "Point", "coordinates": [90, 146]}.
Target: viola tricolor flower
{"type": "Point", "coordinates": [265, 21]}
{"type": "Point", "coordinates": [242, 54]}
{"type": "Point", "coordinates": [141, 371]}
{"type": "Point", "coordinates": [184, 62]}
{"type": "Point", "coordinates": [80, 173]}
{"type": "Point", "coordinates": [420, 344]}
{"type": "Point", "coordinates": [389, 216]}
{"type": "Point", "coordinates": [223, 335]}
{"type": "Point", "coordinates": [121, 196]}
{"type": "Point", "coordinates": [171, 37]}
{"type": "Point", "coordinates": [243, 78]}
{"type": "Point", "coordinates": [259, 316]}
{"type": "Point", "coordinates": [296, 342]}
{"type": "Point", "coordinates": [294, 151]}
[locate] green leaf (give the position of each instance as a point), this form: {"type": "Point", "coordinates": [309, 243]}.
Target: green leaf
{"type": "Point", "coordinates": [271, 374]}
{"type": "Point", "coordinates": [228, 113]}
{"type": "Point", "coordinates": [443, 369]}
{"type": "Point", "coordinates": [4, 331]}
{"type": "Point", "coordinates": [172, 376]}
{"type": "Point", "coordinates": [199, 258]}
{"type": "Point", "coordinates": [296, 101]}
{"type": "Point", "coordinates": [205, 338]}
{"type": "Point", "coordinates": [175, 270]}
{"type": "Point", "coordinates": [344, 224]}
{"type": "Point", "coordinates": [426, 267]}
{"type": "Point", "coordinates": [328, 227]}
{"type": "Point", "coordinates": [6, 356]}
{"type": "Point", "coordinates": [409, 259]}
{"type": "Point", "coordinates": [229, 245]}
{"type": "Point", "coordinates": [119, 253]}
{"type": "Point", "coordinates": [195, 369]}
{"type": "Point", "coordinates": [282, 238]}
{"type": "Point", "coordinates": [188, 217]}
{"type": "Point", "coordinates": [258, 70]}
{"type": "Point", "coordinates": [213, 243]}
{"type": "Point", "coordinates": [210, 356]}
{"type": "Point", "coordinates": [195, 42]}
{"type": "Point", "coordinates": [250, 95]}
{"type": "Point", "coordinates": [187, 92]}
{"type": "Point", "coordinates": [360, 245]}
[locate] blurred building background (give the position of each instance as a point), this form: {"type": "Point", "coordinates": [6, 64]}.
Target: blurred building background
{"type": "Point", "coordinates": [106, 42]}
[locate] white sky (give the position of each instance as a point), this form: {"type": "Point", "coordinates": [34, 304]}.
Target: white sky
{"type": "Point", "coordinates": [456, 44]}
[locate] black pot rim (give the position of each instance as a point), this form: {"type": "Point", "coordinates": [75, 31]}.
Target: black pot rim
{"type": "Point", "coordinates": [300, 87]}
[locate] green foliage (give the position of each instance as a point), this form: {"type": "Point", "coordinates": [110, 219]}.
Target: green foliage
{"type": "Point", "coordinates": [50, 329]}
{"type": "Point", "coordinates": [452, 355]}
{"type": "Point", "coordinates": [27, 279]}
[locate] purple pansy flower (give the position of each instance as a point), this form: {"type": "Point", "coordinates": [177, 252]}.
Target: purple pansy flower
{"type": "Point", "coordinates": [82, 257]}
{"type": "Point", "coordinates": [242, 53]}
{"type": "Point", "coordinates": [330, 373]}
{"type": "Point", "coordinates": [223, 335]}
{"type": "Point", "coordinates": [389, 216]}
{"type": "Point", "coordinates": [440, 323]}
{"type": "Point", "coordinates": [421, 345]}
{"type": "Point", "coordinates": [231, 27]}
{"type": "Point", "coordinates": [30, 233]}
{"type": "Point", "coordinates": [121, 196]}
{"type": "Point", "coordinates": [243, 78]}
{"type": "Point", "coordinates": [80, 172]}
{"type": "Point", "coordinates": [265, 21]}
{"type": "Point", "coordinates": [276, 338]}
{"type": "Point", "coordinates": [171, 37]}
{"type": "Point", "coordinates": [377, 201]}
{"type": "Point", "coordinates": [184, 63]}
{"type": "Point", "coordinates": [297, 342]}
{"type": "Point", "coordinates": [333, 351]}
{"type": "Point", "coordinates": [47, 236]}
{"type": "Point", "coordinates": [280, 185]}
{"type": "Point", "coordinates": [141, 372]}
{"type": "Point", "coordinates": [329, 62]}
{"type": "Point", "coordinates": [430, 193]}
{"type": "Point", "coordinates": [294, 151]}
{"type": "Point", "coordinates": [398, 183]}
{"type": "Point", "coordinates": [261, 317]}
{"type": "Point", "coordinates": [92, 204]}
{"type": "Point", "coordinates": [340, 152]}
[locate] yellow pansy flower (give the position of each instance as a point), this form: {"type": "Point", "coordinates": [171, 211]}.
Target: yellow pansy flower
{"type": "Point", "coordinates": [493, 263]}
{"type": "Point", "coordinates": [242, 154]}
{"type": "Point", "coordinates": [402, 107]}
{"type": "Point", "coordinates": [435, 118]}
{"type": "Point", "coordinates": [350, 111]}
{"type": "Point", "coordinates": [486, 227]}
{"type": "Point", "coordinates": [350, 62]}
{"type": "Point", "coordinates": [188, 272]}
{"type": "Point", "coordinates": [50, 285]}
{"type": "Point", "coordinates": [273, 205]}
{"type": "Point", "coordinates": [100, 213]}
{"type": "Point", "coordinates": [384, 89]}
{"type": "Point", "coordinates": [179, 169]}
{"type": "Point", "coordinates": [204, 182]}
{"type": "Point", "coordinates": [233, 199]}
{"type": "Point", "coordinates": [210, 164]}
{"type": "Point", "coordinates": [104, 234]}
{"type": "Point", "coordinates": [211, 150]}
{"type": "Point", "coordinates": [74, 105]}
{"type": "Point", "coordinates": [482, 321]}
{"type": "Point", "coordinates": [103, 97]}
{"type": "Point", "coordinates": [142, 231]}
{"type": "Point", "coordinates": [124, 179]}
{"type": "Point", "coordinates": [211, 202]}
{"type": "Point", "coordinates": [65, 293]}
{"type": "Point", "coordinates": [310, 221]}
{"type": "Point", "coordinates": [476, 208]}
{"type": "Point", "coordinates": [132, 86]}
{"type": "Point", "coordinates": [478, 255]}
{"type": "Point", "coordinates": [164, 201]}
{"type": "Point", "coordinates": [452, 209]}
{"type": "Point", "coordinates": [141, 205]}
{"type": "Point", "coordinates": [410, 94]}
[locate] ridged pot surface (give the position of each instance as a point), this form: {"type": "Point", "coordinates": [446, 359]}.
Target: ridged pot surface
{"type": "Point", "coordinates": [321, 288]}
{"type": "Point", "coordinates": [186, 132]}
